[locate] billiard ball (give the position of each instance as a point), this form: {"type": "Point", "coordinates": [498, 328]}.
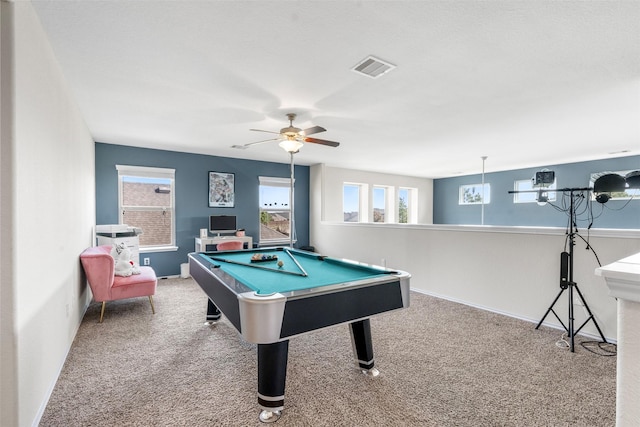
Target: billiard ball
{"type": "Point", "coordinates": [280, 264]}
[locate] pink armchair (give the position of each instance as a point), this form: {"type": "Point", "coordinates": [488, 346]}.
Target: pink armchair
{"type": "Point", "coordinates": [99, 267]}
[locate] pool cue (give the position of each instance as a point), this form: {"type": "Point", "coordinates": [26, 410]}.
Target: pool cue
{"type": "Point", "coordinates": [277, 270]}
{"type": "Point", "coordinates": [304, 273]}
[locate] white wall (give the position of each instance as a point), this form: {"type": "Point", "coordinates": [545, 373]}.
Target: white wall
{"type": "Point", "coordinates": [511, 270]}
{"type": "Point", "coordinates": [50, 218]}
{"type": "Point", "coordinates": [8, 377]}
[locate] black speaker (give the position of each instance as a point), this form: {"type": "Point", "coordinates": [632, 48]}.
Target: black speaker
{"type": "Point", "coordinates": [564, 270]}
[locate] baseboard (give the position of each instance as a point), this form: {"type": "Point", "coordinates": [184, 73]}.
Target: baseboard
{"type": "Point", "coordinates": [515, 316]}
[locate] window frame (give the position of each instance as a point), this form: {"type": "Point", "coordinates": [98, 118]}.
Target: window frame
{"type": "Point", "coordinates": [412, 204]}
{"type": "Point", "coordinates": [149, 173]}
{"type": "Point", "coordinates": [385, 200]}
{"type": "Point", "coordinates": [484, 194]}
{"type": "Point", "coordinates": [363, 214]}
{"type": "Point", "coordinates": [279, 182]}
{"type": "Point", "coordinates": [368, 200]}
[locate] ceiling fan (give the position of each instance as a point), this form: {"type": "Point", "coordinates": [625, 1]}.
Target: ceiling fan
{"type": "Point", "coordinates": [292, 138]}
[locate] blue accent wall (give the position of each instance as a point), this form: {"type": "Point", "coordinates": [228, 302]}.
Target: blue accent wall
{"type": "Point", "coordinates": [191, 198]}
{"type": "Point", "coordinates": [502, 210]}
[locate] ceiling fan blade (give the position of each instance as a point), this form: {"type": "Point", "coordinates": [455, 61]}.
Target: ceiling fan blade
{"type": "Point", "coordinates": [314, 129]}
{"type": "Point", "coordinates": [243, 146]}
{"type": "Point", "coordinates": [322, 142]}
{"type": "Point", "coordinates": [268, 131]}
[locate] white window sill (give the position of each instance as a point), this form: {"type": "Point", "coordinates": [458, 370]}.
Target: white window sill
{"type": "Point", "coordinates": [150, 249]}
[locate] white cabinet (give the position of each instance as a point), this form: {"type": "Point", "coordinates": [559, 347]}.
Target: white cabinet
{"type": "Point", "coordinates": [120, 233]}
{"type": "Point", "coordinates": [201, 243]}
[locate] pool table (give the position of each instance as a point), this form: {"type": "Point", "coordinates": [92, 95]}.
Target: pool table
{"type": "Point", "coordinates": [273, 294]}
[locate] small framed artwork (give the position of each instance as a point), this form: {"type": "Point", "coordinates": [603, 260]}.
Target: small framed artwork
{"type": "Point", "coordinates": [221, 190]}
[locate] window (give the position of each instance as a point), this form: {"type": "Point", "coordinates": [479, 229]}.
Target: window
{"type": "Point", "coordinates": [530, 196]}
{"type": "Point", "coordinates": [407, 206]}
{"type": "Point", "coordinates": [379, 204]}
{"type": "Point", "coordinates": [275, 214]}
{"type": "Point", "coordinates": [351, 202]}
{"type": "Point", "coordinates": [146, 199]}
{"type": "Point", "coordinates": [474, 194]}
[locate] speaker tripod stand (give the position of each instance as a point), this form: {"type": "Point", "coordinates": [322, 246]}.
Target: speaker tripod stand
{"type": "Point", "coordinates": [566, 279]}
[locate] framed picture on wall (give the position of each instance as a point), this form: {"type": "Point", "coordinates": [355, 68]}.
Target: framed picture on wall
{"type": "Point", "coordinates": [221, 190]}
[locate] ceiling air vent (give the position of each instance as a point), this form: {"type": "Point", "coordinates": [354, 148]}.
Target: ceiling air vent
{"type": "Point", "coordinates": [373, 67]}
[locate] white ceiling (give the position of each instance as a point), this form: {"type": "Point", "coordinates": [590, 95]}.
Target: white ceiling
{"type": "Point", "coordinates": [526, 83]}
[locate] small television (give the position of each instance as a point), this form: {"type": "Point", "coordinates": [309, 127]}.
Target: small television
{"type": "Point", "coordinates": [221, 224]}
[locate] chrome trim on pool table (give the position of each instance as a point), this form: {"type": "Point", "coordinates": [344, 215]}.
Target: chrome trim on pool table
{"type": "Point", "coordinates": [405, 289]}
{"type": "Point", "coordinates": [327, 289]}
{"type": "Point", "coordinates": [261, 316]}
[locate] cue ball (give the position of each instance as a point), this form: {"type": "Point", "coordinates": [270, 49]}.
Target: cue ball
{"type": "Point", "coordinates": [280, 263]}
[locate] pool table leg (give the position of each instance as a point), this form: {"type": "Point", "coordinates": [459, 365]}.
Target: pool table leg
{"type": "Point", "coordinates": [213, 313]}
{"type": "Point", "coordinates": [272, 373]}
{"type": "Point", "coordinates": [363, 346]}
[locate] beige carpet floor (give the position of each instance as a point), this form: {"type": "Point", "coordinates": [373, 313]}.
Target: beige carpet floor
{"type": "Point", "coordinates": [441, 364]}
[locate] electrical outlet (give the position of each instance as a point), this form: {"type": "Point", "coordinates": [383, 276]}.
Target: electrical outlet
{"type": "Point", "coordinates": [146, 261]}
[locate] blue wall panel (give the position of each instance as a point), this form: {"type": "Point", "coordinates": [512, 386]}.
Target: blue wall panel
{"type": "Point", "coordinates": [502, 210]}
{"type": "Point", "coordinates": [191, 198]}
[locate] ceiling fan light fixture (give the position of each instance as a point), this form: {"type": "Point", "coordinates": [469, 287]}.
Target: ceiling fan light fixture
{"type": "Point", "coordinates": [291, 145]}
{"type": "Point", "coordinates": [292, 138]}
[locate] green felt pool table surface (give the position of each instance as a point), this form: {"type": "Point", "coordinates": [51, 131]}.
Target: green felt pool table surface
{"type": "Point", "coordinates": [300, 270]}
